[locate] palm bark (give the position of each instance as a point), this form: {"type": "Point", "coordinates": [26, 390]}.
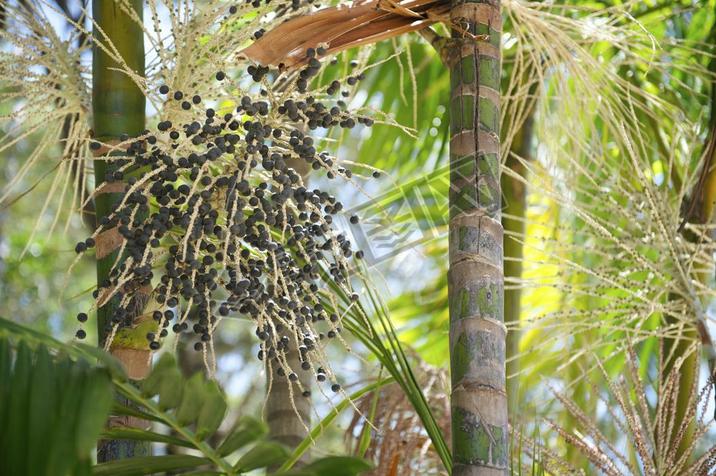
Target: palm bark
{"type": "Point", "coordinates": [475, 279]}
{"type": "Point", "coordinates": [118, 107]}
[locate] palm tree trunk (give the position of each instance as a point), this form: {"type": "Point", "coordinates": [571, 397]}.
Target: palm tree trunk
{"type": "Point", "coordinates": [514, 193]}
{"type": "Point", "coordinates": [700, 211]}
{"type": "Point", "coordinates": [681, 347]}
{"type": "Point", "coordinates": [118, 107]}
{"type": "Point", "coordinates": [475, 278]}
{"type": "Point", "coordinates": [288, 413]}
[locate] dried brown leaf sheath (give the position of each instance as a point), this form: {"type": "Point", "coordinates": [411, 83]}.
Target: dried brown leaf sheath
{"type": "Point", "coordinates": [340, 28]}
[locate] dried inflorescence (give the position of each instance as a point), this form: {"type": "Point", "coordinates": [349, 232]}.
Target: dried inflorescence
{"type": "Point", "coordinates": [398, 444]}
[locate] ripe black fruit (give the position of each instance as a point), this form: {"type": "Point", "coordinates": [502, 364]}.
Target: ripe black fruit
{"type": "Point", "coordinates": [221, 235]}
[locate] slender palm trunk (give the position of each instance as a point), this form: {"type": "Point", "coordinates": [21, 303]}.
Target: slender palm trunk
{"type": "Point", "coordinates": [514, 192]}
{"type": "Point", "coordinates": [288, 413]}
{"type": "Point", "coordinates": [118, 108]}
{"type": "Point", "coordinates": [681, 346]}
{"type": "Point", "coordinates": [476, 287]}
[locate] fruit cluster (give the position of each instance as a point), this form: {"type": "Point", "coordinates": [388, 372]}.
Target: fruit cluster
{"type": "Point", "coordinates": [216, 220]}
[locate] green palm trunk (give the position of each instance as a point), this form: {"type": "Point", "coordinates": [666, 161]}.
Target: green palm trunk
{"type": "Point", "coordinates": [514, 193]}
{"type": "Point", "coordinates": [118, 107]}
{"type": "Point", "coordinates": [681, 346]}
{"type": "Point", "coordinates": [475, 279]}
{"type": "Point", "coordinates": [686, 386]}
